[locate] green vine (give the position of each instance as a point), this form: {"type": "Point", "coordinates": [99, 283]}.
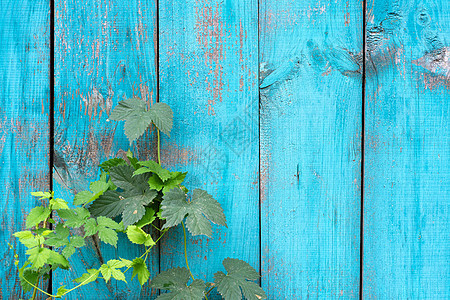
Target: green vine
{"type": "Point", "coordinates": [131, 196]}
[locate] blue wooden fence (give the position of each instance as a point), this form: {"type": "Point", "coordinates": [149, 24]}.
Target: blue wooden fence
{"type": "Point", "coordinates": [322, 127]}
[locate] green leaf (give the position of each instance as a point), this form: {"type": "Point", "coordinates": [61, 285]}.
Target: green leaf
{"type": "Point", "coordinates": [58, 259]}
{"type": "Point", "coordinates": [111, 268]}
{"type": "Point", "coordinates": [155, 182]}
{"type": "Point", "coordinates": [108, 236]}
{"type": "Point", "coordinates": [162, 116]}
{"type": "Point", "coordinates": [148, 217]}
{"type": "Point", "coordinates": [154, 167]}
{"type": "Point", "coordinates": [106, 230]}
{"type": "Point", "coordinates": [28, 239]}
{"type": "Point", "coordinates": [38, 256]}
{"type": "Point", "coordinates": [122, 176]}
{"type": "Point", "coordinates": [97, 189]}
{"type": "Point", "coordinates": [176, 178]}
{"type": "Point", "coordinates": [237, 280]}
{"type": "Point", "coordinates": [68, 251]}
{"type": "Point", "coordinates": [135, 127]}
{"type": "Point", "coordinates": [113, 162]}
{"type": "Point", "coordinates": [37, 215]}
{"type": "Point", "coordinates": [90, 276]}
{"type": "Point", "coordinates": [127, 108]}
{"type": "Point", "coordinates": [127, 263]}
{"type": "Point", "coordinates": [75, 218]}
{"type": "Point", "coordinates": [77, 241]}
{"type": "Point", "coordinates": [106, 222]}
{"type": "Point", "coordinates": [27, 276]}
{"type": "Point", "coordinates": [137, 118]}
{"type": "Point", "coordinates": [82, 198]}
{"type": "Point", "coordinates": [202, 208]}
{"type": "Point", "coordinates": [59, 237]}
{"type": "Point", "coordinates": [131, 202]}
{"type": "Point", "coordinates": [140, 269]}
{"type": "Point", "coordinates": [61, 291]}
{"type": "Point", "coordinates": [58, 203]}
{"type": "Point", "coordinates": [137, 236]}
{"type": "Point", "coordinates": [110, 204]}
{"type": "Point", "coordinates": [175, 280]}
{"type": "Point", "coordinates": [43, 195]}
{"type": "Point", "coordinates": [90, 227]}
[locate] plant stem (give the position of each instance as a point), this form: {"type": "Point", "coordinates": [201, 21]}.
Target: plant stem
{"type": "Point", "coordinates": [149, 248]}
{"type": "Point", "coordinates": [209, 291]}
{"type": "Point", "coordinates": [35, 290]}
{"type": "Point", "coordinates": [185, 250]}
{"type": "Point", "coordinates": [156, 228]}
{"type": "Point", "coordinates": [159, 147]}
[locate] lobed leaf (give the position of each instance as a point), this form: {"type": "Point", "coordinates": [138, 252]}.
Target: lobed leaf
{"type": "Point", "coordinates": [202, 208]}
{"type": "Point", "coordinates": [27, 276]}
{"type": "Point", "coordinates": [138, 236]}
{"type": "Point", "coordinates": [237, 282]}
{"type": "Point", "coordinates": [154, 167]}
{"type": "Point", "coordinates": [42, 195]}
{"type": "Point", "coordinates": [97, 189]}
{"type": "Point", "coordinates": [175, 280]}
{"type": "Point", "coordinates": [74, 218]}
{"type": "Point", "coordinates": [113, 162]}
{"type": "Point", "coordinates": [140, 270]}
{"type": "Point", "coordinates": [148, 217]}
{"type": "Point", "coordinates": [37, 215]}
{"type": "Point", "coordinates": [176, 178]}
{"type": "Point", "coordinates": [162, 116]}
{"type": "Point", "coordinates": [58, 203]}
{"type": "Point", "coordinates": [138, 118]}
{"type": "Point", "coordinates": [111, 268]}
{"type": "Point", "coordinates": [131, 202]}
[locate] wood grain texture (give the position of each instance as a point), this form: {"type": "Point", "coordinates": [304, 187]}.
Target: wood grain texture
{"type": "Point", "coordinates": [311, 96]}
{"type": "Point", "coordinates": [208, 71]}
{"type": "Point", "coordinates": [105, 52]}
{"type": "Point", "coordinates": [24, 129]}
{"type": "Point", "coordinates": [407, 186]}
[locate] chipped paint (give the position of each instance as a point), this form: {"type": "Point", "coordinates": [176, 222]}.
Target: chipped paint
{"type": "Point", "coordinates": [209, 30]}
{"type": "Point", "coordinates": [437, 62]}
{"type": "Point", "coordinates": [95, 103]}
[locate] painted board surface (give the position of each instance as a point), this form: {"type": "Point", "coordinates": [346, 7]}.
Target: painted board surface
{"type": "Point", "coordinates": [208, 74]}
{"type": "Point", "coordinates": [311, 91]}
{"type": "Point", "coordinates": [268, 108]}
{"type": "Point", "coordinates": [407, 175]}
{"type": "Point", "coordinates": [24, 126]}
{"type": "Point", "coordinates": [104, 52]}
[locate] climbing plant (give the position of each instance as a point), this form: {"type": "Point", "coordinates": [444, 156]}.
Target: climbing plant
{"type": "Point", "coordinates": [134, 197]}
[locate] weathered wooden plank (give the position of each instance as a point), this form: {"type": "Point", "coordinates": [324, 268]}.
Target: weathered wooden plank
{"type": "Point", "coordinates": [208, 71]}
{"type": "Point", "coordinates": [407, 169]}
{"type": "Point", "coordinates": [105, 52]}
{"type": "Point", "coordinates": [24, 129]}
{"type": "Point", "coordinates": [311, 98]}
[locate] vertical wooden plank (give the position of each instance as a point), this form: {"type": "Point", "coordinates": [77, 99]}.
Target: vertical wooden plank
{"type": "Point", "coordinates": [311, 96]}
{"type": "Point", "coordinates": [407, 187]}
{"type": "Point", "coordinates": [208, 71]}
{"type": "Point", "coordinates": [24, 127]}
{"type": "Point", "coordinates": [105, 52]}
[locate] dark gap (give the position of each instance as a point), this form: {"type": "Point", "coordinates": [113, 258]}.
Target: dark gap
{"type": "Point", "coordinates": [157, 100]}
{"type": "Point", "coordinates": [259, 150]}
{"type": "Point", "coordinates": [51, 117]}
{"type": "Point", "coordinates": [363, 114]}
